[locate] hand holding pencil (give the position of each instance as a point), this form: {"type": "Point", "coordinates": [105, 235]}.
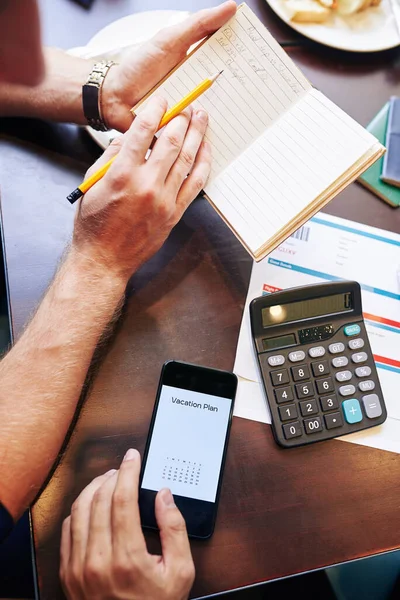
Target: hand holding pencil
{"type": "Point", "coordinates": [168, 116]}
{"type": "Point", "coordinates": [126, 217]}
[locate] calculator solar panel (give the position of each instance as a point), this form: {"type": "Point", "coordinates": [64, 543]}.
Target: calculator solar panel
{"type": "Point", "coordinates": [316, 362]}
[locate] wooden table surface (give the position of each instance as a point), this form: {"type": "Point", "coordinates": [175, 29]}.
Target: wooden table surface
{"type": "Point", "coordinates": [281, 512]}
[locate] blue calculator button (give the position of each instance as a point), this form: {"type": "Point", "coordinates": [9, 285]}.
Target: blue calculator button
{"type": "Point", "coordinates": [352, 411]}
{"type": "Point", "coordinates": [352, 330]}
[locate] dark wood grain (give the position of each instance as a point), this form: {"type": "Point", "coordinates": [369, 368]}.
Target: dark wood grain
{"type": "Point", "coordinates": [281, 512]}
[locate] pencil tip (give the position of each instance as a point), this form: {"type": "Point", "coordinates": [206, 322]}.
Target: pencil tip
{"type": "Point", "coordinates": [221, 72]}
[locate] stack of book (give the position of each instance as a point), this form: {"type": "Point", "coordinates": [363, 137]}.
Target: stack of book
{"type": "Point", "coordinates": [383, 177]}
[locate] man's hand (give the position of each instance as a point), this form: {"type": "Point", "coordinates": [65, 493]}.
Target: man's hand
{"type": "Point", "coordinates": [103, 550]}
{"type": "Point", "coordinates": [126, 217]}
{"type": "Point", "coordinates": [143, 68]}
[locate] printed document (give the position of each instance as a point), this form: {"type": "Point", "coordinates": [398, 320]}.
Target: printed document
{"type": "Point", "coordinates": [328, 248]}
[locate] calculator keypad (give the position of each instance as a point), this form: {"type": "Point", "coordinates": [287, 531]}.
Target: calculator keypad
{"type": "Point", "coordinates": [316, 352]}
{"type": "Point", "coordinates": [308, 407]}
{"type": "Point", "coordinates": [356, 344]}
{"type": "Point", "coordinates": [352, 411]}
{"type": "Point", "coordinates": [283, 394]}
{"type": "Point", "coordinates": [276, 361]}
{"type": "Point", "coordinates": [313, 425]}
{"type": "Point", "coordinates": [296, 356]}
{"type": "Point", "coordinates": [343, 376]}
{"type": "Point", "coordinates": [336, 348]}
{"type": "Point", "coordinates": [372, 406]}
{"type": "Point", "coordinates": [326, 390]}
{"type": "Point", "coordinates": [340, 361]}
{"type": "Point", "coordinates": [359, 357]}
{"type": "Point", "coordinates": [300, 373]}
{"type": "Point", "coordinates": [279, 377]}
{"type": "Point", "coordinates": [288, 413]}
{"type": "Point", "coordinates": [347, 390]}
{"type": "Point", "coordinates": [363, 371]}
{"type": "Point", "coordinates": [329, 402]}
{"type": "Point", "coordinates": [320, 368]}
{"type": "Point", "coordinates": [333, 420]}
{"type": "Point", "coordinates": [325, 385]}
{"type": "Point", "coordinates": [366, 386]}
{"type": "Point", "coordinates": [292, 430]}
{"type": "Point", "coordinates": [304, 390]}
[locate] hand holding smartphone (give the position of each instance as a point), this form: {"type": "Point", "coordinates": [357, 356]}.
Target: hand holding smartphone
{"type": "Point", "coordinates": [187, 443]}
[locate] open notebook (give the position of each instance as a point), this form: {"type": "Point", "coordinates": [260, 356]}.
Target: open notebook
{"type": "Point", "coordinates": [281, 149]}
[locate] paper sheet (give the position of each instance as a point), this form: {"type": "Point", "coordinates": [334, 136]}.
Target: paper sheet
{"type": "Point", "coordinates": [326, 249]}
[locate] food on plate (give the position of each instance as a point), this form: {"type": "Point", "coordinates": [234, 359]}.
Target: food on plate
{"type": "Point", "coordinates": [307, 11]}
{"type": "Point", "coordinates": [328, 3]}
{"type": "Point", "coordinates": [318, 11]}
{"type": "Point", "coordinates": [349, 7]}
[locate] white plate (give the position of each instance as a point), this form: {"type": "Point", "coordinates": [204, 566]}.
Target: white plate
{"type": "Point", "coordinates": [121, 36]}
{"type": "Point", "coordinates": [371, 30]}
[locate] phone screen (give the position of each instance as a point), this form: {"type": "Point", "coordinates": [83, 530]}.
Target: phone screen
{"type": "Point", "coordinates": [187, 443]}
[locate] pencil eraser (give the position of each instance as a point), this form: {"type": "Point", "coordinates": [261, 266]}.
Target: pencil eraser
{"type": "Point", "coordinates": [391, 162]}
{"type": "Point", "coordinates": [74, 196]}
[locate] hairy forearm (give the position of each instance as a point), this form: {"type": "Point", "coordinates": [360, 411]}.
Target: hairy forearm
{"type": "Point", "coordinates": [57, 98]}
{"type": "Point", "coordinates": [41, 378]}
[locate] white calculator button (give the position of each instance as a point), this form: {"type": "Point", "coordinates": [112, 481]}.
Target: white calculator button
{"type": "Point", "coordinates": [343, 375]}
{"type": "Point", "coordinates": [363, 371]}
{"type": "Point", "coordinates": [316, 352]}
{"type": "Point", "coordinates": [340, 361]}
{"type": "Point", "coordinates": [336, 348]}
{"type": "Point", "coordinates": [366, 386]}
{"type": "Point", "coordinates": [347, 390]}
{"type": "Point", "coordinates": [359, 357]}
{"type": "Point", "coordinates": [276, 361]}
{"type": "Point", "coordinates": [296, 356]}
{"type": "Point", "coordinates": [356, 344]}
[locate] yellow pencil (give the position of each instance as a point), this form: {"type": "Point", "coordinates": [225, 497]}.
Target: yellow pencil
{"type": "Point", "coordinates": [169, 115]}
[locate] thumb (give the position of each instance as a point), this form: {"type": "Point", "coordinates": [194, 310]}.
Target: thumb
{"type": "Point", "coordinates": [173, 534]}
{"type": "Point", "coordinates": [111, 151]}
{"type": "Point", "coordinates": [195, 27]}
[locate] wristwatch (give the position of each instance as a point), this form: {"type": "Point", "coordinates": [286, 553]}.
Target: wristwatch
{"type": "Point", "coordinates": [91, 95]}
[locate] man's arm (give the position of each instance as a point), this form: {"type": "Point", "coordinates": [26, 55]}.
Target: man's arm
{"type": "Point", "coordinates": [42, 376]}
{"type": "Point", "coordinates": [58, 97]}
{"type": "Point", "coordinates": [121, 222]}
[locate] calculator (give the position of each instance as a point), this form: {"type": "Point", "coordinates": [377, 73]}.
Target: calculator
{"type": "Point", "coordinates": [316, 362]}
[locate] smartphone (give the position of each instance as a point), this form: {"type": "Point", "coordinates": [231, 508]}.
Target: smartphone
{"type": "Point", "coordinates": [187, 443]}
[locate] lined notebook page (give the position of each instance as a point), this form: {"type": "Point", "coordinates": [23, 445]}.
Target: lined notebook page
{"type": "Point", "coordinates": [287, 167]}
{"type": "Point", "coordinates": [258, 85]}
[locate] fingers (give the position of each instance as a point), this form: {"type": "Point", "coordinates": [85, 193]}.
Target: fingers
{"type": "Point", "coordinates": [127, 531]}
{"type": "Point", "coordinates": [187, 156]}
{"type": "Point", "coordinates": [111, 151]}
{"type": "Point", "coordinates": [169, 145]}
{"type": "Point", "coordinates": [173, 535]}
{"type": "Point", "coordinates": [179, 37]}
{"type": "Point", "coordinates": [65, 548]}
{"type": "Point", "coordinates": [80, 518]}
{"type": "Point", "coordinates": [99, 545]}
{"type": "Point", "coordinates": [139, 136]}
{"type": "Point", "coordinates": [197, 179]}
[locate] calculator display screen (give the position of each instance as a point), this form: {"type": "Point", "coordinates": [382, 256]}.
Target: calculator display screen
{"type": "Point", "coordinates": [306, 309]}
